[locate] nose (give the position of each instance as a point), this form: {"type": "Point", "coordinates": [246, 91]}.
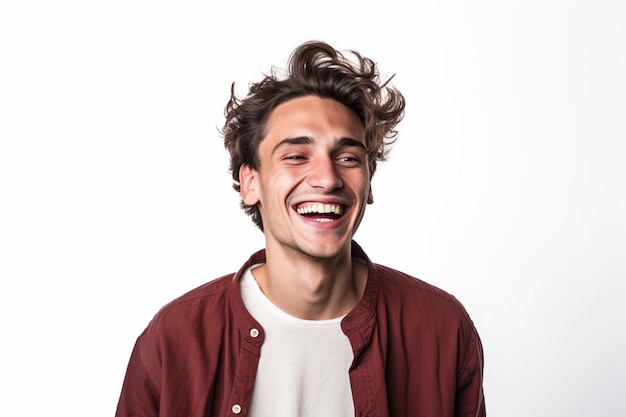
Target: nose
{"type": "Point", "coordinates": [324, 175]}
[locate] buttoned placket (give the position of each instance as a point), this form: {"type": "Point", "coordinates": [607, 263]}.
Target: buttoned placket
{"type": "Point", "coordinates": [243, 385]}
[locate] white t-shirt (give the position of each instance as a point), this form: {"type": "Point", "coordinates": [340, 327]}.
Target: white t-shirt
{"type": "Point", "coordinates": [303, 370]}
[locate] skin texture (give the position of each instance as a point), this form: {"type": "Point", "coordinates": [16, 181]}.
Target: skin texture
{"type": "Point", "coordinates": [313, 153]}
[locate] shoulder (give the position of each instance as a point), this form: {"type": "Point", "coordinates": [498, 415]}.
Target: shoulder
{"type": "Point", "coordinates": [406, 292]}
{"type": "Point", "coordinates": [415, 306]}
{"type": "Point", "coordinates": [402, 292]}
{"type": "Point", "coordinates": [392, 279]}
{"type": "Point", "coordinates": [204, 296]}
{"type": "Point", "coordinates": [202, 306]}
{"type": "Point", "coordinates": [207, 308]}
{"type": "Point", "coordinates": [214, 289]}
{"type": "Point", "coordinates": [184, 328]}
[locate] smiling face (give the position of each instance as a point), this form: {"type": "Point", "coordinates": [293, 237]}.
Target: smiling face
{"type": "Point", "coordinates": [313, 180]}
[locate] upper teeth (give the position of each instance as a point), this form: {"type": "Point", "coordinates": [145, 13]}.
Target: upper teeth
{"type": "Point", "coordinates": [320, 208]}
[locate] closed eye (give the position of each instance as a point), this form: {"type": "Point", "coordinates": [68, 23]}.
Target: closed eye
{"type": "Point", "coordinates": [349, 160]}
{"type": "Point", "coordinates": [294, 159]}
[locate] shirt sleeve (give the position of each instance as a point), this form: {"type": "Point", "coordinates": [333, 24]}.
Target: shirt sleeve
{"type": "Point", "coordinates": [470, 400]}
{"type": "Point", "coordinates": [139, 396]}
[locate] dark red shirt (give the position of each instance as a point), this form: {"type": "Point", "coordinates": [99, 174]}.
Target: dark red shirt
{"type": "Point", "coordinates": [416, 352]}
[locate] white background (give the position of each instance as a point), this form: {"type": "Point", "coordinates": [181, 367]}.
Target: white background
{"type": "Point", "coordinates": [505, 188]}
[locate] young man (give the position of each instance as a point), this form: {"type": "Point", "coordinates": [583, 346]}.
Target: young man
{"type": "Point", "coordinates": [309, 326]}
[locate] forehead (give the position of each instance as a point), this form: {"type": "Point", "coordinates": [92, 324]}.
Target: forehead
{"type": "Point", "coordinates": [315, 117]}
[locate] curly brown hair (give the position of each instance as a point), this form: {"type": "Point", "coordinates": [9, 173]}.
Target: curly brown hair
{"type": "Point", "coordinates": [314, 68]}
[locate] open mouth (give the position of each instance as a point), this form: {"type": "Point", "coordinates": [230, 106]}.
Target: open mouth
{"type": "Point", "coordinates": [321, 212]}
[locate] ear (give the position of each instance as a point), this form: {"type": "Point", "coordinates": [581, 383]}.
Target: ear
{"type": "Point", "coordinates": [248, 185]}
{"type": "Point", "coordinates": [370, 196]}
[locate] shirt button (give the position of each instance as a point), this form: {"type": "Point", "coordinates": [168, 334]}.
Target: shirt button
{"type": "Point", "coordinates": [254, 332]}
{"type": "Point", "coordinates": [236, 409]}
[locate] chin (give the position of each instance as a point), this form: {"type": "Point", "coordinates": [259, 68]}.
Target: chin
{"type": "Point", "coordinates": [327, 250]}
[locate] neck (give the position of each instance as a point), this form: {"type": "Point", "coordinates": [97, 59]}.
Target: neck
{"type": "Point", "coordinates": [312, 288]}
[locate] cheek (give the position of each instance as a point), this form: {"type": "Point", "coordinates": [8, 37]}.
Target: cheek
{"type": "Point", "coordinates": [276, 187]}
{"type": "Point", "coordinates": [285, 180]}
{"type": "Point", "coordinates": [361, 182]}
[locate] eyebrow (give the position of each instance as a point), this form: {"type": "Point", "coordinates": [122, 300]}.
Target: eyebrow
{"type": "Point", "coordinates": [305, 140]}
